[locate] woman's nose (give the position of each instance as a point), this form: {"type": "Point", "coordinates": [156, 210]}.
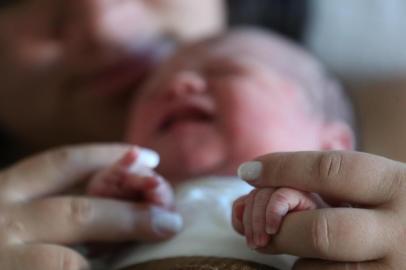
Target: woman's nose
{"type": "Point", "coordinates": [186, 83]}
{"type": "Point", "coordinates": [97, 26]}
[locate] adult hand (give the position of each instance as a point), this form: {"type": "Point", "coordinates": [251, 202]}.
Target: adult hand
{"type": "Point", "coordinates": [369, 236]}
{"type": "Point", "coordinates": [36, 220]}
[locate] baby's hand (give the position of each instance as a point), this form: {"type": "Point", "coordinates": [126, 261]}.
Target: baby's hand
{"type": "Point", "coordinates": [128, 180]}
{"type": "Point", "coordinates": [259, 214]}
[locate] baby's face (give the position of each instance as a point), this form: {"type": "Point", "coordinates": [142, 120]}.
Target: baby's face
{"type": "Point", "coordinates": [209, 109]}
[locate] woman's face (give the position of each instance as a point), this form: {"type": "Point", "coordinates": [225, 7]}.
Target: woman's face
{"type": "Point", "coordinates": [68, 68]}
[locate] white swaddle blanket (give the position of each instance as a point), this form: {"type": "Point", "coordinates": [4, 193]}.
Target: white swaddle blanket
{"type": "Point", "coordinates": [206, 206]}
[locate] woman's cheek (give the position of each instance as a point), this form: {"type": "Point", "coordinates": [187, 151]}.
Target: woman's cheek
{"type": "Point", "coordinates": [138, 125]}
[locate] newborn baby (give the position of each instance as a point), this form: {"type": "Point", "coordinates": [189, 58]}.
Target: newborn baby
{"type": "Point", "coordinates": [214, 105]}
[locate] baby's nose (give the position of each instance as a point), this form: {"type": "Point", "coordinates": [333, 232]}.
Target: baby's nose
{"type": "Point", "coordinates": [187, 83]}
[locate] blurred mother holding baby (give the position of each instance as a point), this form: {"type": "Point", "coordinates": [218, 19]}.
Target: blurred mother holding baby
{"type": "Point", "coordinates": [69, 73]}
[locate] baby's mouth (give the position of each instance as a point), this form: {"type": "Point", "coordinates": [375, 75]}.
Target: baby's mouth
{"type": "Point", "coordinates": [185, 115]}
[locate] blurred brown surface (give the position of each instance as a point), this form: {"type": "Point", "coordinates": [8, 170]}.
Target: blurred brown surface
{"type": "Point", "coordinates": [199, 263]}
{"type": "Point", "coordinates": [382, 117]}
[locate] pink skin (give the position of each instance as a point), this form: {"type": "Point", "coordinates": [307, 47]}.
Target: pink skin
{"type": "Point", "coordinates": [119, 182]}
{"type": "Point", "coordinates": [197, 113]}
{"type": "Point", "coordinates": [206, 111]}
{"type": "Point", "coordinates": [259, 214]}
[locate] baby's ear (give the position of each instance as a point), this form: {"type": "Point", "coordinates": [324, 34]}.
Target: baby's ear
{"type": "Point", "coordinates": [337, 136]}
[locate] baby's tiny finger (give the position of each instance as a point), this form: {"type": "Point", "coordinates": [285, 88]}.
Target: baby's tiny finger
{"type": "Point", "coordinates": [161, 194]}
{"type": "Point", "coordinates": [127, 159]}
{"type": "Point", "coordinates": [247, 219]}
{"type": "Point", "coordinates": [261, 238]}
{"type": "Point", "coordinates": [273, 220]}
{"type": "Point", "coordinates": [238, 213]}
{"type": "Point", "coordinates": [276, 209]}
{"type": "Point", "coordinates": [139, 183]}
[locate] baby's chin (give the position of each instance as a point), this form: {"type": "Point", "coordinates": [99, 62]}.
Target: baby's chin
{"type": "Point", "coordinates": [177, 168]}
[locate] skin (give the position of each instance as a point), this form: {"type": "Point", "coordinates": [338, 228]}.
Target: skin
{"type": "Point", "coordinates": [259, 215]}
{"type": "Point", "coordinates": [81, 61]}
{"type": "Point", "coordinates": [382, 189]}
{"type": "Point", "coordinates": [198, 112]}
{"type": "Point", "coordinates": [368, 236]}
{"type": "Point", "coordinates": [38, 221]}
{"type": "Point", "coordinates": [67, 71]}
{"type": "Point", "coordinates": [121, 182]}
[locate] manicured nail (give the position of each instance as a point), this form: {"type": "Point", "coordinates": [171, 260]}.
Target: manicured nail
{"type": "Point", "coordinates": [148, 158]}
{"type": "Point", "coordinates": [166, 222]}
{"type": "Point", "coordinates": [145, 159]}
{"type": "Point", "coordinates": [250, 171]}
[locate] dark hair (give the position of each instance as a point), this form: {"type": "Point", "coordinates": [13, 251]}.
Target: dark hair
{"type": "Point", "coordinates": [287, 17]}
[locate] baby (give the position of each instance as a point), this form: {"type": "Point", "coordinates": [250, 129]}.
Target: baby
{"type": "Point", "coordinates": [218, 103]}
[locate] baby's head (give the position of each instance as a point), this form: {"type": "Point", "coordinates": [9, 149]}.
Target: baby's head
{"type": "Point", "coordinates": [223, 101]}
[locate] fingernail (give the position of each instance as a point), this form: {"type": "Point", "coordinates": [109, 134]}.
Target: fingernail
{"type": "Point", "coordinates": [166, 222]}
{"type": "Point", "coordinates": [146, 158]}
{"type": "Point", "coordinates": [250, 171]}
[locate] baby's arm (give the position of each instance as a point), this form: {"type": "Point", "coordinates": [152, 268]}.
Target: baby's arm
{"type": "Point", "coordinates": [125, 180]}
{"type": "Point", "coordinates": [259, 214]}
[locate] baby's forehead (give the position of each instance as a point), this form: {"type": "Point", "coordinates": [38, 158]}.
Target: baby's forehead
{"type": "Point", "coordinates": [270, 50]}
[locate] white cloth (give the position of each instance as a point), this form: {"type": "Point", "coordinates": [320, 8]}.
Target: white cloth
{"type": "Point", "coordinates": [206, 206]}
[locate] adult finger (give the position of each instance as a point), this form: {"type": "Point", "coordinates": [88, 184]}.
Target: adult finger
{"type": "Point", "coordinates": [339, 234]}
{"type": "Point", "coordinates": [41, 257]}
{"type": "Point", "coordinates": [56, 170]}
{"type": "Point", "coordinates": [70, 220]}
{"type": "Point", "coordinates": [307, 264]}
{"type": "Point", "coordinates": [357, 178]}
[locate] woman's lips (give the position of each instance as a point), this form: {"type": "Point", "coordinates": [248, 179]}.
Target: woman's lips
{"type": "Point", "coordinates": [117, 79]}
